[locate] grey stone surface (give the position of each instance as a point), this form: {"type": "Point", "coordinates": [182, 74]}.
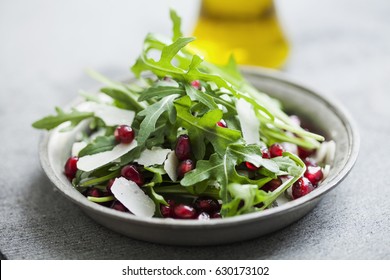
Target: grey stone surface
{"type": "Point", "coordinates": [341, 48]}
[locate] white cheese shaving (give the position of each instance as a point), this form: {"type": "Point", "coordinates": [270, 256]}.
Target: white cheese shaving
{"type": "Point", "coordinates": [321, 152]}
{"type": "Point", "coordinates": [91, 162]}
{"type": "Point", "coordinates": [170, 166]}
{"type": "Point", "coordinates": [154, 156]}
{"type": "Point", "coordinates": [77, 147]}
{"type": "Point", "coordinates": [326, 152]}
{"type": "Point", "coordinates": [110, 115]}
{"type": "Point", "coordinates": [249, 122]}
{"type": "Point", "coordinates": [325, 171]}
{"type": "Point", "coordinates": [133, 198]}
{"type": "Point", "coordinates": [330, 152]}
{"type": "Point", "coordinates": [290, 147]}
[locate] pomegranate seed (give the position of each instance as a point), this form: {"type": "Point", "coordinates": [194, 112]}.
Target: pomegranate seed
{"type": "Point", "coordinates": [250, 166]}
{"type": "Point", "coordinates": [314, 174]}
{"type": "Point", "coordinates": [71, 167]}
{"type": "Point", "coordinates": [272, 185]}
{"type": "Point", "coordinates": [222, 123]}
{"type": "Point", "coordinates": [167, 210]}
{"type": "Point", "coordinates": [304, 153]}
{"type": "Point", "coordinates": [183, 211]}
{"type": "Point", "coordinates": [301, 187]}
{"type": "Point", "coordinates": [94, 192]}
{"type": "Point", "coordinates": [184, 167]}
{"type": "Point", "coordinates": [203, 216]}
{"type": "Point", "coordinates": [119, 206]}
{"type": "Point", "coordinates": [276, 150]}
{"type": "Point", "coordinates": [109, 185]}
{"type": "Point", "coordinates": [183, 147]}
{"type": "Point", "coordinates": [124, 134]}
{"type": "Point", "coordinates": [195, 84]}
{"type": "Point", "coordinates": [265, 153]}
{"type": "Point", "coordinates": [131, 172]}
{"type": "Point", "coordinates": [216, 215]}
{"type": "Point", "coordinates": [206, 204]}
{"type": "Point", "coordinates": [310, 161]}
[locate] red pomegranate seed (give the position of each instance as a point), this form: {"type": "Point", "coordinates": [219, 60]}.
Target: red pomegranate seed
{"type": "Point", "coordinates": [94, 192]}
{"type": "Point", "coordinates": [183, 147]}
{"type": "Point", "coordinates": [301, 187]}
{"type": "Point", "coordinates": [222, 123]}
{"type": "Point", "coordinates": [216, 215]}
{"type": "Point", "coordinates": [206, 204]}
{"type": "Point", "coordinates": [250, 166]}
{"type": "Point", "coordinates": [184, 167]}
{"type": "Point", "coordinates": [203, 216]}
{"type": "Point", "coordinates": [119, 206]}
{"type": "Point", "coordinates": [167, 210]}
{"type": "Point", "coordinates": [265, 153]}
{"type": "Point", "coordinates": [196, 84]}
{"type": "Point", "coordinates": [183, 211]}
{"type": "Point", "coordinates": [131, 172]}
{"type": "Point", "coordinates": [124, 134]}
{"type": "Point", "coordinates": [109, 185]}
{"type": "Point", "coordinates": [304, 153]}
{"type": "Point", "coordinates": [314, 174]}
{"type": "Point", "coordinates": [71, 167]}
{"type": "Point", "coordinates": [272, 185]}
{"type": "Point", "coordinates": [276, 150]}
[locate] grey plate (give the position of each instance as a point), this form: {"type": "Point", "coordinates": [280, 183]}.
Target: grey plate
{"type": "Point", "coordinates": [329, 118]}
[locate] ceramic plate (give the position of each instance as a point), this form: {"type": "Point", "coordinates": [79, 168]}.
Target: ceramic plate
{"type": "Point", "coordinates": [325, 115]}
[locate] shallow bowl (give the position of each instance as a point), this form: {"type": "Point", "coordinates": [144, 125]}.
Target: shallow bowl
{"type": "Point", "coordinates": [327, 116]}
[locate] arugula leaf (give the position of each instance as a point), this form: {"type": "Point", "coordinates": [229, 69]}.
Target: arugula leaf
{"type": "Point", "coordinates": [122, 98]}
{"type": "Point", "coordinates": [250, 195]}
{"type": "Point", "coordinates": [118, 91]}
{"type": "Point", "coordinates": [160, 92]}
{"type": "Point", "coordinates": [212, 169]}
{"type": "Point", "coordinates": [100, 144]}
{"type": "Point", "coordinates": [157, 175]}
{"type": "Point", "coordinates": [288, 165]}
{"type": "Point", "coordinates": [250, 153]}
{"type": "Point", "coordinates": [176, 20]}
{"type": "Point", "coordinates": [152, 113]}
{"type": "Point", "coordinates": [204, 127]}
{"type": "Point", "coordinates": [51, 122]}
{"type": "Point", "coordinates": [268, 110]}
{"type": "Point", "coordinates": [202, 97]}
{"type": "Point", "coordinates": [102, 179]}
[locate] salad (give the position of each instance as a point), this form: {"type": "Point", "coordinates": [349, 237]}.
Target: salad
{"type": "Point", "coordinates": [187, 140]}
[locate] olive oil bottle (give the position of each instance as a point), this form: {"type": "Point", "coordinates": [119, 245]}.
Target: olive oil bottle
{"type": "Point", "coordinates": [249, 29]}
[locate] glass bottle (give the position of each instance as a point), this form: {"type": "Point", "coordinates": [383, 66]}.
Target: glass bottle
{"type": "Point", "coordinates": [249, 29]}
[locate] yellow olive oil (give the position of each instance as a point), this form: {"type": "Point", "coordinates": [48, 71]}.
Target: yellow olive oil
{"type": "Point", "coordinates": [249, 29]}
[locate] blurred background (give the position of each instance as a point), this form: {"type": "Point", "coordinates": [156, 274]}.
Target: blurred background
{"type": "Point", "coordinates": [338, 47]}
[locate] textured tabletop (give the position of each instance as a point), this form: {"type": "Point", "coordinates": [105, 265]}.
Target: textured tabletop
{"type": "Point", "coordinates": [341, 48]}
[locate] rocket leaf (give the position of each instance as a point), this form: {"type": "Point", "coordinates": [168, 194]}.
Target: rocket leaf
{"type": "Point", "coordinates": [51, 122]}
{"type": "Point", "coordinates": [204, 127]}
{"type": "Point", "coordinates": [152, 113]}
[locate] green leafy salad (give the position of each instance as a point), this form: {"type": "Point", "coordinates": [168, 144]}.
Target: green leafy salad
{"type": "Point", "coordinates": [187, 140]}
